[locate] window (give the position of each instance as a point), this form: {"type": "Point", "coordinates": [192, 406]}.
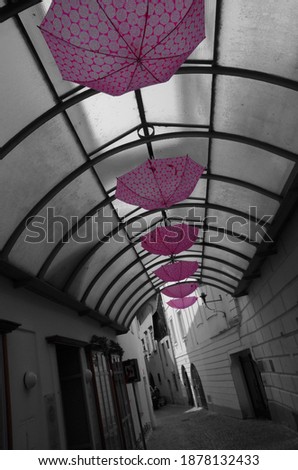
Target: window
{"type": "Point", "coordinates": [181, 324]}
{"type": "Point", "coordinates": [147, 342]}
{"type": "Point", "coordinates": [173, 332]}
{"type": "Point", "coordinates": [164, 352]}
{"type": "Point", "coordinates": [144, 347]}
{"type": "Point", "coordinates": [159, 377]}
{"type": "Point", "coordinates": [175, 381]}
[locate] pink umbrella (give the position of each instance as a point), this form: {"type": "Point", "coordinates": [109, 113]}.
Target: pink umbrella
{"type": "Point", "coordinates": [158, 184]}
{"type": "Point", "coordinates": [117, 46]}
{"type": "Point", "coordinates": [180, 290]}
{"type": "Point", "coordinates": [182, 303]}
{"type": "Point", "coordinates": [171, 240]}
{"type": "Point", "coordinates": [177, 271]}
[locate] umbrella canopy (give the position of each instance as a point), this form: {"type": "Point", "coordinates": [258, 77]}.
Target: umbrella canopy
{"type": "Point", "coordinates": [182, 303]}
{"type": "Point", "coordinates": [117, 46]}
{"type": "Point", "coordinates": [180, 290]}
{"type": "Point", "coordinates": [171, 240]}
{"type": "Point", "coordinates": [177, 271]}
{"type": "Point", "coordinates": [158, 184]}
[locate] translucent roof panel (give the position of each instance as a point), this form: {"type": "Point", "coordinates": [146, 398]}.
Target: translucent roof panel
{"type": "Point", "coordinates": [34, 168]}
{"type": "Point", "coordinates": [65, 210]}
{"type": "Point", "coordinates": [95, 126]}
{"type": "Point", "coordinates": [111, 272]}
{"type": "Point", "coordinates": [205, 50]}
{"type": "Point", "coordinates": [125, 211]}
{"type": "Point", "coordinates": [119, 164]}
{"type": "Point", "coordinates": [190, 211]}
{"type": "Point", "coordinates": [261, 105]}
{"type": "Point", "coordinates": [221, 277]}
{"type": "Point", "coordinates": [195, 148]}
{"type": "Point", "coordinates": [17, 61]}
{"type": "Point", "coordinates": [223, 267]}
{"type": "Point", "coordinates": [97, 261]}
{"type": "Point", "coordinates": [129, 283]}
{"type": "Point", "coordinates": [141, 225]}
{"type": "Point", "coordinates": [72, 251]}
{"type": "Point", "coordinates": [260, 36]}
{"type": "Point", "coordinates": [31, 19]}
{"type": "Point", "coordinates": [216, 252]}
{"type": "Point", "coordinates": [135, 303]}
{"type": "Point", "coordinates": [244, 162]}
{"type": "Point", "coordinates": [241, 199]}
{"type": "Point", "coordinates": [184, 99]}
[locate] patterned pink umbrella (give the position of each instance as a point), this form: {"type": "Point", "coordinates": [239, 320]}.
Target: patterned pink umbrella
{"type": "Point", "coordinates": [177, 271]}
{"type": "Point", "coordinates": [158, 184]}
{"type": "Point", "coordinates": [116, 46]}
{"type": "Point", "coordinates": [180, 290]}
{"type": "Point", "coordinates": [171, 240]}
{"type": "Point", "coordinates": [182, 303]}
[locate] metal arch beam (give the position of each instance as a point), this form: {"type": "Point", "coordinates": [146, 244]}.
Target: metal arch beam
{"type": "Point", "coordinates": [243, 184]}
{"type": "Point", "coordinates": [96, 247]}
{"type": "Point", "coordinates": [215, 69]}
{"type": "Point", "coordinates": [116, 279]}
{"type": "Point", "coordinates": [81, 222]}
{"type": "Point", "coordinates": [158, 263]}
{"type": "Point", "coordinates": [137, 143]}
{"type": "Point", "coordinates": [272, 79]}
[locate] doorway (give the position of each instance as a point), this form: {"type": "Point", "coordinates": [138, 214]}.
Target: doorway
{"type": "Point", "coordinates": [198, 387]}
{"type": "Point", "coordinates": [77, 430]}
{"type": "Point", "coordinates": [186, 382]}
{"type": "Point", "coordinates": [249, 386]}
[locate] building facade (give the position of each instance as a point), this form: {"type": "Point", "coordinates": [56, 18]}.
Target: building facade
{"type": "Point", "coordinates": [239, 356]}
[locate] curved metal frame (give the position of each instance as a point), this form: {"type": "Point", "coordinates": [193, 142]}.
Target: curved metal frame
{"type": "Point", "coordinates": [132, 309]}
{"type": "Point", "coordinates": [158, 263]}
{"type": "Point", "coordinates": [98, 245]}
{"type": "Point", "coordinates": [47, 263]}
{"type": "Point", "coordinates": [91, 163]}
{"type": "Point", "coordinates": [74, 98]}
{"type": "Point", "coordinates": [118, 255]}
{"type": "Point", "coordinates": [119, 275]}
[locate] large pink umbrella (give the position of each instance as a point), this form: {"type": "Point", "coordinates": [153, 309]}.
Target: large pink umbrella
{"type": "Point", "coordinates": [180, 290]}
{"type": "Point", "coordinates": [182, 303]}
{"type": "Point", "coordinates": [177, 271]}
{"type": "Point", "coordinates": [170, 240]}
{"type": "Point", "coordinates": [158, 184]}
{"type": "Point", "coordinates": [116, 46]}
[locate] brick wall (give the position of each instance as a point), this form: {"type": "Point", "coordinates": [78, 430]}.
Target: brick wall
{"type": "Point", "coordinates": [269, 325]}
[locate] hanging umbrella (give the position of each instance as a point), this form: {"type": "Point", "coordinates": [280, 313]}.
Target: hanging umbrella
{"type": "Point", "coordinates": [180, 290]}
{"type": "Point", "coordinates": [158, 184]}
{"type": "Point", "coordinates": [177, 271]}
{"type": "Point", "coordinates": [117, 46]}
{"type": "Point", "coordinates": [170, 240]}
{"type": "Point", "coordinates": [182, 303]}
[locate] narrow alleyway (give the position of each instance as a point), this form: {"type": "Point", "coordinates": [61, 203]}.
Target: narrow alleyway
{"type": "Point", "coordinates": [181, 428]}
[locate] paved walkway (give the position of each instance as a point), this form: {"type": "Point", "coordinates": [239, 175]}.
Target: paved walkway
{"type": "Point", "coordinates": [180, 428]}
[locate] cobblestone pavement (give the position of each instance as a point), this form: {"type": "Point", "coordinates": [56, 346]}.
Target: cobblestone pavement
{"type": "Point", "coordinates": [181, 428]}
